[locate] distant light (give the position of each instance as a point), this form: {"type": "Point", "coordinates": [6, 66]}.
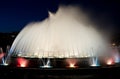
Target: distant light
{"type": "Point", "coordinates": [113, 44]}
{"type": "Point", "coordinates": [12, 36]}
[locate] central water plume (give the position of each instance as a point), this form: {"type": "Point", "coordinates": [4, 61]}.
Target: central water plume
{"type": "Point", "coordinates": [65, 34]}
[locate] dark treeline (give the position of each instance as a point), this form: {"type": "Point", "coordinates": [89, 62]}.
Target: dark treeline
{"type": "Point", "coordinates": [115, 38]}
{"type": "Point", "coordinates": [7, 39]}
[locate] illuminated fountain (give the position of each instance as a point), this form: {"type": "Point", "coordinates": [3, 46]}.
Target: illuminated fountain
{"type": "Point", "coordinates": [3, 56]}
{"type": "Point", "coordinates": [72, 62]}
{"type": "Point", "coordinates": [46, 64]}
{"type": "Point", "coordinates": [116, 54]}
{"type": "Point", "coordinates": [63, 35]}
{"type": "Point", "coordinates": [94, 61]}
{"type": "Point", "coordinates": [22, 62]}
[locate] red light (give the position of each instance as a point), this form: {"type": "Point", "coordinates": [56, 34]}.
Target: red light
{"type": "Point", "coordinates": [72, 63]}
{"type": "Point", "coordinates": [2, 55]}
{"type": "Point", "coordinates": [22, 62]}
{"type": "Point", "coordinates": [110, 61]}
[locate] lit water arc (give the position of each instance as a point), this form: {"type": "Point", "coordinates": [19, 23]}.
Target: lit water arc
{"type": "Point", "coordinates": [65, 34]}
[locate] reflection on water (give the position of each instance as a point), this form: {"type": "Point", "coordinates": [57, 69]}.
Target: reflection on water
{"type": "Point", "coordinates": [30, 76]}
{"type": "Point", "coordinates": [101, 76]}
{"type": "Point", "coordinates": [65, 77]}
{"type": "Point", "coordinates": [90, 73]}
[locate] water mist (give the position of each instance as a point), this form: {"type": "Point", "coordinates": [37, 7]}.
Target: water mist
{"type": "Point", "coordinates": [65, 34]}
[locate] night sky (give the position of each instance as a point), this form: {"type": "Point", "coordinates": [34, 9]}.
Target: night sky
{"type": "Point", "coordinates": [14, 15]}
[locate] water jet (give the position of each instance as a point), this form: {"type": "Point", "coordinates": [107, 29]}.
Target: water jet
{"type": "Point", "coordinates": [65, 35]}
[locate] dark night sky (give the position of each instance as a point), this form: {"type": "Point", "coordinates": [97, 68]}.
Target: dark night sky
{"type": "Point", "coordinates": [14, 15]}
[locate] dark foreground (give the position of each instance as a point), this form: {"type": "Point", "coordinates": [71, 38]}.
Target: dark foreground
{"type": "Point", "coordinates": [60, 73]}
